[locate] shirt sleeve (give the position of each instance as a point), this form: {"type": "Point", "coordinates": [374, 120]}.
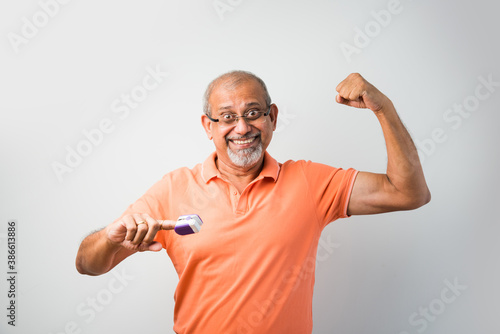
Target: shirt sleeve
{"type": "Point", "coordinates": [330, 188]}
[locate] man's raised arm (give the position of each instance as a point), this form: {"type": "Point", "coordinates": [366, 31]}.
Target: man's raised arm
{"type": "Point", "coordinates": [403, 187]}
{"type": "Point", "coordinates": [103, 250]}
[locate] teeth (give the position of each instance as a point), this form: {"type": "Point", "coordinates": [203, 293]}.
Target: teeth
{"type": "Point", "coordinates": [241, 142]}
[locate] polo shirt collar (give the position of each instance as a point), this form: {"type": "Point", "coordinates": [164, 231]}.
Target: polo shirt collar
{"type": "Point", "coordinates": [209, 169]}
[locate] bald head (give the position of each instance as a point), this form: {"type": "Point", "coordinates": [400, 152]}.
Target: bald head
{"type": "Point", "coordinates": [230, 81]}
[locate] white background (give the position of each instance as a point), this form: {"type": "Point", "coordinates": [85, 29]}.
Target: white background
{"type": "Point", "coordinates": [63, 79]}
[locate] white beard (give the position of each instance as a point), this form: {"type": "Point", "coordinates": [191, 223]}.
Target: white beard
{"type": "Point", "coordinates": [245, 157]}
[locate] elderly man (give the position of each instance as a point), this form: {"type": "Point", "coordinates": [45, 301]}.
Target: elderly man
{"type": "Point", "coordinates": [251, 267]}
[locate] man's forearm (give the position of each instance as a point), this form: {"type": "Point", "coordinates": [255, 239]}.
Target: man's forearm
{"type": "Point", "coordinates": [97, 255]}
{"type": "Point", "coordinates": [404, 169]}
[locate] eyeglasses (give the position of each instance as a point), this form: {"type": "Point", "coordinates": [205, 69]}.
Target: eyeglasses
{"type": "Point", "coordinates": [251, 116]}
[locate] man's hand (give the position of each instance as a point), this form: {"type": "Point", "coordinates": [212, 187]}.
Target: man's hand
{"type": "Point", "coordinates": [136, 232]}
{"type": "Point", "coordinates": [103, 250]}
{"type": "Point", "coordinates": [355, 91]}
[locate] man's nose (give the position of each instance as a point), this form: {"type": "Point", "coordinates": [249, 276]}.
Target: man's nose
{"type": "Point", "coordinates": [242, 127]}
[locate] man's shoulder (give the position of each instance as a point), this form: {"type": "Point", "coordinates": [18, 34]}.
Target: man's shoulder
{"type": "Point", "coordinates": [183, 173]}
{"type": "Point", "coordinates": [305, 164]}
{"type": "Point", "coordinates": [311, 170]}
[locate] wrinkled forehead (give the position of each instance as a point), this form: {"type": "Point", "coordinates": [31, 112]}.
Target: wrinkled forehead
{"type": "Point", "coordinates": [230, 95]}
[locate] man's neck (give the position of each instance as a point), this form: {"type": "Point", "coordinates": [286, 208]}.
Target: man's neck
{"type": "Point", "coordinates": [239, 177]}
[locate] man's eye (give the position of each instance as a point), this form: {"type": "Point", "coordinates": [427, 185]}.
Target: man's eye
{"type": "Point", "coordinates": [252, 113]}
{"type": "Point", "coordinates": [227, 117]}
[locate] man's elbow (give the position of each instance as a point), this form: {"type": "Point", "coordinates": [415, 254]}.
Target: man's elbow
{"type": "Point", "coordinates": [80, 268]}
{"type": "Point", "coordinates": [83, 270]}
{"type": "Point", "coordinates": [417, 200]}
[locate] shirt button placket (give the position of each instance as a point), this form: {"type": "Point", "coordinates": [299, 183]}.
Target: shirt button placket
{"type": "Point", "coordinates": [234, 198]}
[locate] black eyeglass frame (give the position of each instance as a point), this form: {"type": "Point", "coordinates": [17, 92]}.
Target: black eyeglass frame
{"type": "Point", "coordinates": [237, 117]}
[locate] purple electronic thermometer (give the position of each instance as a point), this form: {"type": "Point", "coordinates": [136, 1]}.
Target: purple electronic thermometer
{"type": "Point", "coordinates": [188, 224]}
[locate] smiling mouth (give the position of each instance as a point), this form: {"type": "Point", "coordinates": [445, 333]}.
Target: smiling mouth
{"type": "Point", "coordinates": [244, 140]}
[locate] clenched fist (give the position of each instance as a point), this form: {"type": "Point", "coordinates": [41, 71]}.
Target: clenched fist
{"type": "Point", "coordinates": [355, 91]}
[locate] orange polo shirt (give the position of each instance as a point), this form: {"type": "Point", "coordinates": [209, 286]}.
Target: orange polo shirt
{"type": "Point", "coordinates": [251, 267]}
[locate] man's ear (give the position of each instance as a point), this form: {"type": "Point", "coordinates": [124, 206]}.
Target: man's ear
{"type": "Point", "coordinates": [207, 125]}
{"type": "Point", "coordinates": [274, 115]}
